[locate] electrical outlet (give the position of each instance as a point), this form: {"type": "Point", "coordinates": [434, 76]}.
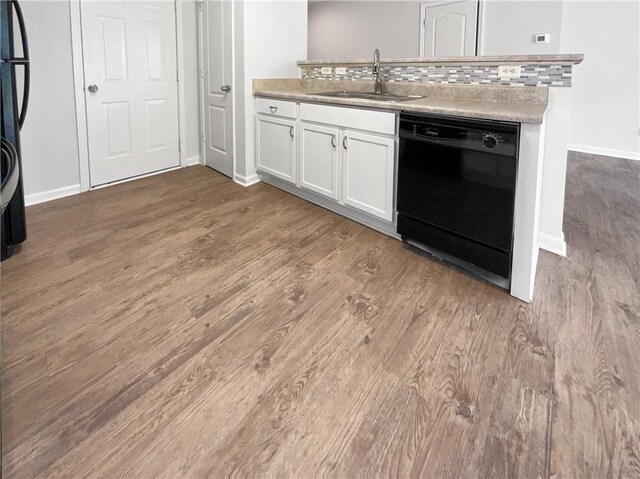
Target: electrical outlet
{"type": "Point", "coordinates": [509, 71]}
{"type": "Point", "coordinates": [341, 70]}
{"type": "Point", "coordinates": [326, 70]}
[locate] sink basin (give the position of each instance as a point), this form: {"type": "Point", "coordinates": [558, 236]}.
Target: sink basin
{"type": "Point", "coordinates": [363, 95]}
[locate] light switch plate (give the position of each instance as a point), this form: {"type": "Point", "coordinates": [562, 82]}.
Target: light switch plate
{"type": "Point", "coordinates": [509, 71]}
{"type": "Point", "coordinates": [326, 70]}
{"type": "Point", "coordinates": [341, 70]}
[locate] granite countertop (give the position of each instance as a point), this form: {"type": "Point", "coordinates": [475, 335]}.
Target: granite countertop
{"type": "Point", "coordinates": [568, 58]}
{"type": "Point", "coordinates": [517, 104]}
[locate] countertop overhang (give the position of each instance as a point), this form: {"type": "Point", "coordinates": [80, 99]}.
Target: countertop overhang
{"type": "Point", "coordinates": [520, 105]}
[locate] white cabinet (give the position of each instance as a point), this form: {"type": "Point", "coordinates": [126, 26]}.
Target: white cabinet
{"type": "Point", "coordinates": [318, 159]}
{"type": "Point", "coordinates": [367, 173]}
{"type": "Point", "coordinates": [276, 132]}
{"type": "Point", "coordinates": [344, 154]}
{"type": "Point", "coordinates": [276, 147]}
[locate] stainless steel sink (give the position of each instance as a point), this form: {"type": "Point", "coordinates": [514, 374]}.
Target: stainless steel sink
{"type": "Point", "coordinates": [363, 95]}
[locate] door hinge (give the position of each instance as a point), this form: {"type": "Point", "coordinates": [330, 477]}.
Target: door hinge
{"type": "Point", "coordinates": [177, 75]}
{"type": "Point", "coordinates": [179, 145]}
{"type": "Point", "coordinates": [202, 72]}
{"type": "Point", "coordinates": [200, 3]}
{"type": "Point", "coordinates": [424, 21]}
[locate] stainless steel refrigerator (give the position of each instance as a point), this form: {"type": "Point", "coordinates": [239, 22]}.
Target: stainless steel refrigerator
{"type": "Point", "coordinates": [13, 229]}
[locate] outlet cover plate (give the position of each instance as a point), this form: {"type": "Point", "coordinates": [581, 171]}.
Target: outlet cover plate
{"type": "Point", "coordinates": [326, 70]}
{"type": "Point", "coordinates": [341, 70]}
{"type": "Point", "coordinates": [509, 71]}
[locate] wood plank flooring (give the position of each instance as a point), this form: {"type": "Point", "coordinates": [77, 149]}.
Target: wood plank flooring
{"type": "Point", "coordinates": [184, 326]}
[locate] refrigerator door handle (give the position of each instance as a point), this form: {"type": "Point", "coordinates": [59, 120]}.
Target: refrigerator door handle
{"type": "Point", "coordinates": [23, 61]}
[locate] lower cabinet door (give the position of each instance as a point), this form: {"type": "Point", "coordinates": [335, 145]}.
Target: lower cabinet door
{"type": "Point", "coordinates": [368, 169]}
{"type": "Point", "coordinates": [318, 159]}
{"type": "Point", "coordinates": [276, 147]}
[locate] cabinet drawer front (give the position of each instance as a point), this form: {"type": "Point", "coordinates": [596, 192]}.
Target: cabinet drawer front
{"type": "Point", "coordinates": [268, 106]}
{"type": "Point", "coordinates": [368, 120]}
{"type": "Point", "coordinates": [276, 147]}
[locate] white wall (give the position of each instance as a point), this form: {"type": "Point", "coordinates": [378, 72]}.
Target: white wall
{"type": "Point", "coordinates": [508, 27]}
{"type": "Point", "coordinates": [49, 139]}
{"type": "Point", "coordinates": [274, 39]}
{"type": "Point", "coordinates": [605, 113]}
{"type": "Point", "coordinates": [347, 30]}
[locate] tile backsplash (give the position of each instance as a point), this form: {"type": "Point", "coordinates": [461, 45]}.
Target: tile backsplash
{"type": "Point", "coordinates": [536, 74]}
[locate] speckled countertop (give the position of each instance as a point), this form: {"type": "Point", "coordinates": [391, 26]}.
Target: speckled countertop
{"type": "Point", "coordinates": [505, 103]}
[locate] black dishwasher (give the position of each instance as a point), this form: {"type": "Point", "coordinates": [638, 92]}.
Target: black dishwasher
{"type": "Point", "coordinates": [456, 188]}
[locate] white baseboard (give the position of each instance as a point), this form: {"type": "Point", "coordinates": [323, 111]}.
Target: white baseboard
{"type": "Point", "coordinates": [194, 160]}
{"type": "Point", "coordinates": [246, 180]}
{"type": "Point", "coordinates": [49, 195]}
{"type": "Point", "coordinates": [139, 177]}
{"type": "Point", "coordinates": [595, 150]}
{"type": "Point", "coordinates": [552, 244]}
{"type": "Point", "coordinates": [385, 227]}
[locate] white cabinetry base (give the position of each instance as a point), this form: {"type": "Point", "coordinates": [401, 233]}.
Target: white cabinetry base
{"type": "Point", "coordinates": [385, 227]}
{"type": "Point", "coordinates": [527, 211]}
{"type": "Point", "coordinates": [552, 244]}
{"type": "Point", "coordinates": [246, 180]}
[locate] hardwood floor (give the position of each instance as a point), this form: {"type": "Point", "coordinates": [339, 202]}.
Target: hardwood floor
{"type": "Point", "coordinates": [184, 326]}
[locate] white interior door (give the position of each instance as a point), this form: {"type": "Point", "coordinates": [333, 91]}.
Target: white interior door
{"type": "Point", "coordinates": [218, 109]}
{"type": "Point", "coordinates": [449, 29]}
{"type": "Point", "coordinates": [129, 50]}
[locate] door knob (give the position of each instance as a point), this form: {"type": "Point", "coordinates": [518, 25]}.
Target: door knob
{"type": "Point", "coordinates": [92, 88]}
{"type": "Point", "coordinates": [225, 88]}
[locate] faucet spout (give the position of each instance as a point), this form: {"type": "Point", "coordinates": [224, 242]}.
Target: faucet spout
{"type": "Point", "coordinates": [376, 72]}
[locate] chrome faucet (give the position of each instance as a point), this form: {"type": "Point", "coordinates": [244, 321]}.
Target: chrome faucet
{"type": "Point", "coordinates": [376, 72]}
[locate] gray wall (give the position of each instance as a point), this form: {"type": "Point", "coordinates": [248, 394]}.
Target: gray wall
{"type": "Point", "coordinates": [507, 27]}
{"type": "Point", "coordinates": [351, 29]}
{"type": "Point", "coordinates": [342, 30]}
{"type": "Point", "coordinates": [49, 137]}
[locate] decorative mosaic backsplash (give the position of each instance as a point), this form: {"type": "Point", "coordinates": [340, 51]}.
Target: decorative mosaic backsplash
{"type": "Point", "coordinates": [544, 75]}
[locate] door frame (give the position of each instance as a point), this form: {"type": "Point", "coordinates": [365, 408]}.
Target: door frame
{"type": "Point", "coordinates": [81, 104]}
{"type": "Point", "coordinates": [434, 3]}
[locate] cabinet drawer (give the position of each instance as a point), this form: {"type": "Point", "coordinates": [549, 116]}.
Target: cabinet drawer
{"type": "Point", "coordinates": [367, 120]}
{"type": "Point", "coordinates": [268, 106]}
